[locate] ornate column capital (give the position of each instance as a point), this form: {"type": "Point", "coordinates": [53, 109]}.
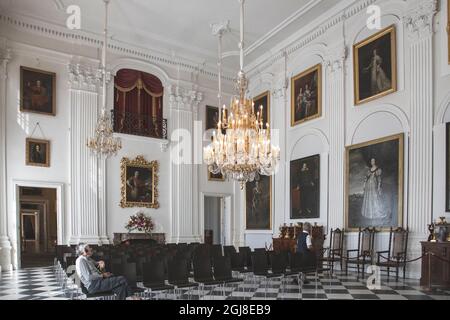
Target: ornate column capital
{"type": "Point", "coordinates": [184, 99]}
{"type": "Point", "coordinates": [335, 60]}
{"type": "Point", "coordinates": [5, 58]}
{"type": "Point", "coordinates": [419, 19]}
{"type": "Point", "coordinates": [86, 78]}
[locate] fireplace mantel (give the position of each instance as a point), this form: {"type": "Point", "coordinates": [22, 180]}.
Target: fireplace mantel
{"type": "Point", "coordinates": [122, 237]}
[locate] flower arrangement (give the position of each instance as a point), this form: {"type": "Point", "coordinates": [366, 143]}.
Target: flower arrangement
{"type": "Point", "coordinates": [140, 222]}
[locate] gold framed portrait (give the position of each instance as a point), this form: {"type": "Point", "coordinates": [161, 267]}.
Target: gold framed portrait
{"type": "Point", "coordinates": [306, 95]}
{"type": "Point", "coordinates": [374, 184]}
{"type": "Point", "coordinates": [139, 183]}
{"type": "Point", "coordinates": [37, 91]}
{"type": "Point", "coordinates": [37, 153]}
{"type": "Point", "coordinates": [375, 66]}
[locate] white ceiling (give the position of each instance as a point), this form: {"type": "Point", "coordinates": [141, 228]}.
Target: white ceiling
{"type": "Point", "coordinates": [182, 27]}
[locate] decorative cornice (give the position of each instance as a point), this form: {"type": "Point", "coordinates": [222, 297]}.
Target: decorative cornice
{"type": "Point", "coordinates": [419, 20]}
{"type": "Point", "coordinates": [57, 32]}
{"type": "Point", "coordinates": [184, 99]}
{"type": "Point", "coordinates": [311, 35]}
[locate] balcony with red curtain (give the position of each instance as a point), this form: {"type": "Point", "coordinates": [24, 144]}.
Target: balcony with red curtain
{"type": "Point", "coordinates": [138, 104]}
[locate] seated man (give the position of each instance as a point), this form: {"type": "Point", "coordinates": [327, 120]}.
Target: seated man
{"type": "Point", "coordinates": [305, 249]}
{"type": "Point", "coordinates": [96, 281]}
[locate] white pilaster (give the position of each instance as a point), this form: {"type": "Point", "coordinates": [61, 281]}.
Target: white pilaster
{"type": "Point", "coordinates": [183, 171]}
{"type": "Point", "coordinates": [419, 24]}
{"type": "Point", "coordinates": [335, 104]}
{"type": "Point", "coordinates": [88, 213]}
{"type": "Point", "coordinates": [5, 244]}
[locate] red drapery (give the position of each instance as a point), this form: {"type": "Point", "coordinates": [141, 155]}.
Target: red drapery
{"type": "Point", "coordinates": [139, 95]}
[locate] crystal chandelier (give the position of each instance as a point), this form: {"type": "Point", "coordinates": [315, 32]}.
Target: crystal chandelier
{"type": "Point", "coordinates": [103, 144]}
{"type": "Point", "coordinates": [241, 148]}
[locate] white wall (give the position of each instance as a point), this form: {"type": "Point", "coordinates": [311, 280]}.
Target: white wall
{"type": "Point", "coordinates": [330, 43]}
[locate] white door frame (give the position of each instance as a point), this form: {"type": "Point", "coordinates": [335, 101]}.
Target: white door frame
{"type": "Point", "coordinates": [225, 230]}
{"type": "Point", "coordinates": [60, 205]}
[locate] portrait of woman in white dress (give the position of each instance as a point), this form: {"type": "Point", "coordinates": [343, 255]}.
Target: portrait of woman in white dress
{"type": "Point", "coordinates": [379, 82]}
{"type": "Point", "coordinates": [375, 61]}
{"type": "Point", "coordinates": [374, 187]}
{"type": "Point", "coordinates": [372, 207]}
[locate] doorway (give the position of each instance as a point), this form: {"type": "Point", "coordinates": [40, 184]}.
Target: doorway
{"type": "Point", "coordinates": [213, 220]}
{"type": "Point", "coordinates": [38, 235]}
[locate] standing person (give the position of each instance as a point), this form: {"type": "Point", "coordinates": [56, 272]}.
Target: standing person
{"type": "Point", "coordinates": [305, 249]}
{"type": "Point", "coordinates": [97, 281]}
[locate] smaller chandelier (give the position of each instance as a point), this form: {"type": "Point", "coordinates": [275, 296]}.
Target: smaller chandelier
{"type": "Point", "coordinates": [103, 144]}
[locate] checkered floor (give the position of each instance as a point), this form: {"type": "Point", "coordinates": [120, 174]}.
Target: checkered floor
{"type": "Point", "coordinates": [41, 284]}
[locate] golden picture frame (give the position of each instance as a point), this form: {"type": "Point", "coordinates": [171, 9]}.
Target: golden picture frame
{"type": "Point", "coordinates": [37, 91]}
{"type": "Point", "coordinates": [306, 95]}
{"type": "Point", "coordinates": [37, 152]}
{"type": "Point", "coordinates": [139, 183]}
{"type": "Point", "coordinates": [378, 160]}
{"type": "Point", "coordinates": [375, 81]}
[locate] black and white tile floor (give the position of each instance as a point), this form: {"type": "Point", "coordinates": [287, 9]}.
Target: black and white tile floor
{"type": "Point", "coordinates": [41, 284]}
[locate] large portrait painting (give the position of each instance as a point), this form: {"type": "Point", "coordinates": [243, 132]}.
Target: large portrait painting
{"type": "Point", "coordinates": [139, 183]}
{"type": "Point", "coordinates": [258, 196]}
{"type": "Point", "coordinates": [37, 91]}
{"type": "Point", "coordinates": [375, 66]}
{"type": "Point", "coordinates": [306, 95]}
{"type": "Point", "coordinates": [447, 161]}
{"type": "Point", "coordinates": [305, 188]}
{"type": "Point", "coordinates": [374, 184]}
{"type": "Point", "coordinates": [37, 153]}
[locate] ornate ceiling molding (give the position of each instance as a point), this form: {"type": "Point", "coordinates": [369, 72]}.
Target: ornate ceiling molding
{"type": "Point", "coordinates": [83, 38]}
{"type": "Point", "coordinates": [307, 37]}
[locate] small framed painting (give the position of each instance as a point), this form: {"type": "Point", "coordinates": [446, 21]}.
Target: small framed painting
{"type": "Point", "coordinates": [37, 153]}
{"type": "Point", "coordinates": [212, 118]}
{"type": "Point", "coordinates": [306, 95]}
{"type": "Point", "coordinates": [215, 177]}
{"type": "Point", "coordinates": [375, 66]}
{"type": "Point", "coordinates": [37, 91]}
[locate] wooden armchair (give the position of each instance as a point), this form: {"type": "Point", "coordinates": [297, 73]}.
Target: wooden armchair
{"type": "Point", "coordinates": [395, 256]}
{"type": "Point", "coordinates": [365, 251]}
{"type": "Point", "coordinates": [335, 253]}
